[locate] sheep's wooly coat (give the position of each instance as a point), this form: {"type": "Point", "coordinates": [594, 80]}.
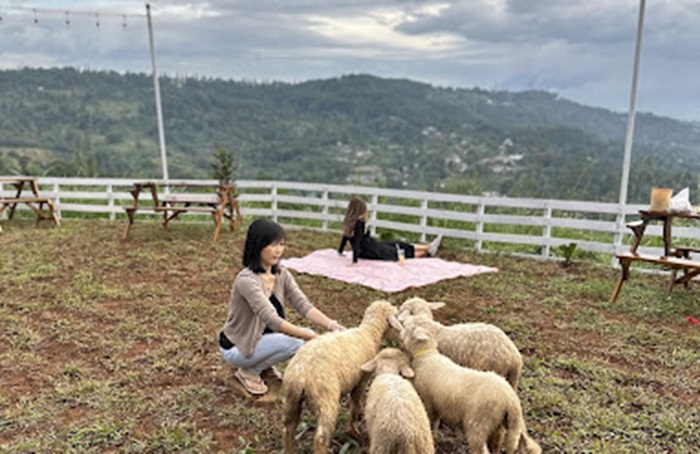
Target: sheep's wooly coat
{"type": "Point", "coordinates": [475, 345]}
{"type": "Point", "coordinates": [326, 368]}
{"type": "Point", "coordinates": [482, 404]}
{"type": "Point", "coordinates": [395, 416]}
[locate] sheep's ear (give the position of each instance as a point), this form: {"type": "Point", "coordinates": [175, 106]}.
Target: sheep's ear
{"type": "Point", "coordinates": [437, 305]}
{"type": "Point", "coordinates": [369, 366]}
{"type": "Point", "coordinates": [407, 372]}
{"type": "Point", "coordinates": [421, 334]}
{"type": "Point", "coordinates": [395, 323]}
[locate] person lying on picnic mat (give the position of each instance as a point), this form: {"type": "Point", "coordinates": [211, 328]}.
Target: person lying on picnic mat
{"type": "Point", "coordinates": [256, 335]}
{"type": "Point", "coordinates": [366, 247]}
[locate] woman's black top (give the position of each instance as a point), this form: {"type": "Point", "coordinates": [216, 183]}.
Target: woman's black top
{"type": "Point", "coordinates": [280, 311]}
{"type": "Point", "coordinates": [366, 247]}
{"type": "Point", "coordinates": [226, 344]}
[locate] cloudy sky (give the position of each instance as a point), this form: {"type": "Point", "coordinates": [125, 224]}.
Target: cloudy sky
{"type": "Point", "coordinates": [582, 49]}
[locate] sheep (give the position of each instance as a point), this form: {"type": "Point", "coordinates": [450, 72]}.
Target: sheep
{"type": "Point", "coordinates": [482, 404]}
{"type": "Point", "coordinates": [327, 367]}
{"type": "Point", "coordinates": [394, 414]}
{"type": "Point", "coordinates": [475, 345]}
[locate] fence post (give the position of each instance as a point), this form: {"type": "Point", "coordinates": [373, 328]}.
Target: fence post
{"type": "Point", "coordinates": [4, 213]}
{"type": "Point", "coordinates": [480, 210]}
{"type": "Point", "coordinates": [324, 210]}
{"type": "Point", "coordinates": [273, 202]}
{"type": "Point", "coordinates": [373, 216]}
{"type": "Point", "coordinates": [57, 199]}
{"type": "Point", "coordinates": [110, 202]}
{"type": "Point", "coordinates": [547, 232]}
{"type": "Point", "coordinates": [423, 219]}
{"type": "Point", "coordinates": [617, 241]}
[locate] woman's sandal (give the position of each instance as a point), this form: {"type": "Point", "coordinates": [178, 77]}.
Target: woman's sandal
{"type": "Point", "coordinates": [253, 386]}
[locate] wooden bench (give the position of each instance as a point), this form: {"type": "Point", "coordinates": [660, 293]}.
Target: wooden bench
{"type": "Point", "coordinates": [690, 268]}
{"type": "Point", "coordinates": [220, 205]}
{"type": "Point", "coordinates": [36, 204]}
{"type": "Point", "coordinates": [685, 251]}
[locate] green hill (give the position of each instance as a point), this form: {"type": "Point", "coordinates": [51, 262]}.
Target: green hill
{"type": "Point", "coordinates": [352, 129]}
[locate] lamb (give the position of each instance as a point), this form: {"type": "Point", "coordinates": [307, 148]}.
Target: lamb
{"type": "Point", "coordinates": [482, 404]}
{"type": "Point", "coordinates": [394, 414]}
{"type": "Point", "coordinates": [328, 367]}
{"type": "Point", "coordinates": [475, 345]}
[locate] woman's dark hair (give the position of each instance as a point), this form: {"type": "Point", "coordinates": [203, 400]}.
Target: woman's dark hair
{"type": "Point", "coordinates": [356, 208]}
{"type": "Point", "coordinates": [261, 233]}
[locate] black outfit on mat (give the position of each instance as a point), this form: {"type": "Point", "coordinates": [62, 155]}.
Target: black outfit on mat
{"type": "Point", "coordinates": [366, 247]}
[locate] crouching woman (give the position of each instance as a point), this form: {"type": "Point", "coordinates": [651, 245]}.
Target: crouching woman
{"type": "Point", "coordinates": [256, 334]}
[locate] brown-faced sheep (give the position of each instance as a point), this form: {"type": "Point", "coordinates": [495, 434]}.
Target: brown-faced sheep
{"type": "Point", "coordinates": [482, 404]}
{"type": "Point", "coordinates": [326, 368]}
{"type": "Point", "coordinates": [394, 414]}
{"type": "Point", "coordinates": [475, 345]}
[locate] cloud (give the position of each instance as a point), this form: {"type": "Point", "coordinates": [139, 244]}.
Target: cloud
{"type": "Point", "coordinates": [582, 49]}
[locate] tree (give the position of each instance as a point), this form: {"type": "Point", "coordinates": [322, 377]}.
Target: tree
{"type": "Point", "coordinates": [223, 165]}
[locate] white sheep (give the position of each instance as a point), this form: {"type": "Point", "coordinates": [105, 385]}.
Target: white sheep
{"type": "Point", "coordinates": [476, 345]}
{"type": "Point", "coordinates": [394, 414]}
{"type": "Point", "coordinates": [482, 404]}
{"type": "Point", "coordinates": [326, 368]}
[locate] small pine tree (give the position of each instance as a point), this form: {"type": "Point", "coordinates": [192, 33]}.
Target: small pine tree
{"type": "Point", "coordinates": [223, 165]}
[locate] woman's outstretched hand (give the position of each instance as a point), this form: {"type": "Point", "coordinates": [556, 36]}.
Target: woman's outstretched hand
{"type": "Point", "coordinates": [335, 326]}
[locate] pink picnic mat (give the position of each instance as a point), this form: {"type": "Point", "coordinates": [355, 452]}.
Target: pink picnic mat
{"type": "Point", "coordinates": [382, 275]}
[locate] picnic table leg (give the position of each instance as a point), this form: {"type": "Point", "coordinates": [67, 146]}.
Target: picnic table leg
{"type": "Point", "coordinates": [638, 231]}
{"type": "Point", "coordinates": [686, 279]}
{"type": "Point", "coordinates": [239, 216]}
{"type": "Point", "coordinates": [12, 211]}
{"type": "Point", "coordinates": [624, 275]}
{"type": "Point", "coordinates": [667, 236]}
{"type": "Point", "coordinates": [218, 218]}
{"type": "Point", "coordinates": [52, 210]}
{"type": "Point", "coordinates": [232, 219]}
{"type": "Point", "coordinates": [165, 217]}
{"type": "Point", "coordinates": [234, 211]}
{"type": "Point", "coordinates": [19, 187]}
{"type": "Point", "coordinates": [39, 212]}
{"type": "Point", "coordinates": [127, 227]}
{"type": "Point", "coordinates": [42, 212]}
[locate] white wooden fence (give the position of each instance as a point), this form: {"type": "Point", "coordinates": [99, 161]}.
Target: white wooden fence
{"type": "Point", "coordinates": [534, 224]}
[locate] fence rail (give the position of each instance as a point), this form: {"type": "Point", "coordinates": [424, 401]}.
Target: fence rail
{"type": "Point", "coordinates": [536, 225]}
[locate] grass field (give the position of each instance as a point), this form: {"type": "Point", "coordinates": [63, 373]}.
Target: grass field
{"type": "Point", "coordinates": [111, 346]}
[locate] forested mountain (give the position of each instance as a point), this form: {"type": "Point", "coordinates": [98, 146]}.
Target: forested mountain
{"type": "Point", "coordinates": [352, 129]}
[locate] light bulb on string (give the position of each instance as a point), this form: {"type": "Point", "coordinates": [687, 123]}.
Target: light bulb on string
{"type": "Point", "coordinates": [36, 19]}
{"type": "Point", "coordinates": [67, 21]}
{"type": "Point", "coordinates": [97, 20]}
{"type": "Point", "coordinates": [124, 21]}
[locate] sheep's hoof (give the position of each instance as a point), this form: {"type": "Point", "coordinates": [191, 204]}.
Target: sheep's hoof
{"type": "Point", "coordinates": [355, 433]}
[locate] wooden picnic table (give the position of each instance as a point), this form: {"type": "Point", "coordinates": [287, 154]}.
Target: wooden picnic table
{"type": "Point", "coordinates": [43, 207]}
{"type": "Point", "coordinates": [675, 258]}
{"type": "Point", "coordinates": [221, 203]}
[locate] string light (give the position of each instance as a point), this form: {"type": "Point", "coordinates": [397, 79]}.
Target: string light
{"type": "Point", "coordinates": [67, 20]}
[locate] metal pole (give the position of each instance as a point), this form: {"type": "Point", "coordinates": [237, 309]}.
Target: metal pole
{"type": "Point", "coordinates": [630, 118]}
{"type": "Point", "coordinates": [156, 87]}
